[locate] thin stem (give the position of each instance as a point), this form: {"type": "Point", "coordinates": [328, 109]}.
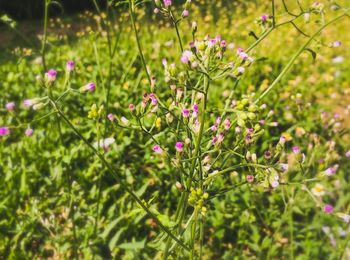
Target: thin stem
{"type": "Point", "coordinates": [296, 55]}
{"type": "Point", "coordinates": [138, 40]}
{"type": "Point", "coordinates": [43, 46]}
{"type": "Point", "coordinates": [118, 177]}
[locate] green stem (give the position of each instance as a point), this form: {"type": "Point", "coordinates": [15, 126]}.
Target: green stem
{"type": "Point", "coordinates": [118, 177]}
{"type": "Point", "coordinates": [296, 55]}
{"type": "Point", "coordinates": [138, 40]}
{"type": "Point", "coordinates": [43, 47]}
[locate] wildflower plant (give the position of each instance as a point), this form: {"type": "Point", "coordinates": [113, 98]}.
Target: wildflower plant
{"type": "Point", "coordinates": [207, 148]}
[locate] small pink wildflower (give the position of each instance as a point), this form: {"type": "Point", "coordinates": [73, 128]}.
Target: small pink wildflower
{"type": "Point", "coordinates": [10, 106]}
{"type": "Point", "coordinates": [157, 149]}
{"type": "Point", "coordinates": [90, 87]}
{"type": "Point", "coordinates": [331, 170]}
{"type": "Point", "coordinates": [185, 13]}
{"type": "Point", "coordinates": [167, 3]}
{"type": "Point", "coordinates": [328, 208]}
{"type": "Point", "coordinates": [4, 131]}
{"type": "Point", "coordinates": [70, 66]}
{"type": "Point", "coordinates": [29, 132]}
{"type": "Point", "coordinates": [185, 57]}
{"type": "Point", "coordinates": [179, 146]}
{"type": "Point", "coordinates": [227, 124]}
{"type": "Point", "coordinates": [347, 154]}
{"type": "Point", "coordinates": [296, 149]}
{"type": "Point", "coordinates": [51, 75]}
{"type": "Point", "coordinates": [185, 113]}
{"type": "Point", "coordinates": [250, 178]}
{"type": "Point", "coordinates": [131, 107]}
{"type": "Point", "coordinates": [110, 117]}
{"type": "Point", "coordinates": [264, 18]}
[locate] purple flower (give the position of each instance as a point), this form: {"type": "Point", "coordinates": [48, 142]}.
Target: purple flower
{"type": "Point", "coordinates": [264, 18]}
{"type": "Point", "coordinates": [10, 106]}
{"type": "Point", "coordinates": [347, 154]}
{"type": "Point", "coordinates": [185, 113]}
{"type": "Point", "coordinates": [90, 87]}
{"type": "Point", "coordinates": [223, 44]}
{"type": "Point", "coordinates": [243, 55]}
{"type": "Point", "coordinates": [185, 58]}
{"type": "Point", "coordinates": [51, 75]}
{"type": "Point", "coordinates": [296, 149]}
{"type": "Point", "coordinates": [250, 178]}
{"type": "Point", "coordinates": [167, 3]}
{"type": "Point", "coordinates": [195, 108]}
{"type": "Point", "coordinates": [29, 132]}
{"type": "Point", "coordinates": [70, 66]}
{"type": "Point", "coordinates": [284, 167]}
{"type": "Point", "coordinates": [131, 107]}
{"type": "Point", "coordinates": [110, 117]}
{"type": "Point", "coordinates": [157, 149]}
{"type": "Point", "coordinates": [154, 100]}
{"type": "Point", "coordinates": [331, 170]}
{"type": "Point", "coordinates": [227, 124]}
{"type": "Point", "coordinates": [336, 44]}
{"type": "Point", "coordinates": [4, 131]}
{"type": "Point", "coordinates": [29, 102]}
{"type": "Point", "coordinates": [185, 13]}
{"type": "Point", "coordinates": [179, 146]}
{"type": "Point", "coordinates": [328, 208]}
{"type": "Point", "coordinates": [214, 140]}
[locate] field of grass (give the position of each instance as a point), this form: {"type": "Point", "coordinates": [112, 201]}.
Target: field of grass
{"type": "Point", "coordinates": [143, 132]}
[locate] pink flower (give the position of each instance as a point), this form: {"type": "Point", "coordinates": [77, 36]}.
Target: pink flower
{"type": "Point", "coordinates": [243, 55]}
{"type": "Point", "coordinates": [131, 107]}
{"type": "Point", "coordinates": [185, 13]}
{"type": "Point", "coordinates": [239, 50]}
{"type": "Point", "coordinates": [10, 106]}
{"type": "Point", "coordinates": [264, 18]}
{"type": "Point", "coordinates": [51, 75]}
{"type": "Point", "coordinates": [157, 149]}
{"type": "Point", "coordinates": [70, 66]}
{"type": "Point", "coordinates": [195, 108]}
{"type": "Point", "coordinates": [336, 44]}
{"type": "Point", "coordinates": [331, 170]}
{"type": "Point", "coordinates": [185, 58]}
{"type": "Point", "coordinates": [250, 178]}
{"type": "Point", "coordinates": [328, 208]}
{"type": "Point", "coordinates": [154, 100]}
{"type": "Point", "coordinates": [223, 44]}
{"type": "Point", "coordinates": [296, 149]}
{"type": "Point", "coordinates": [90, 87]}
{"type": "Point", "coordinates": [156, 10]}
{"type": "Point", "coordinates": [29, 102]}
{"type": "Point", "coordinates": [179, 146]}
{"type": "Point", "coordinates": [167, 3]}
{"type": "Point", "coordinates": [347, 154]}
{"type": "Point", "coordinates": [227, 124]}
{"type": "Point", "coordinates": [185, 113]}
{"type": "Point", "coordinates": [4, 131]}
{"type": "Point", "coordinates": [29, 132]}
{"type": "Point", "coordinates": [110, 117]}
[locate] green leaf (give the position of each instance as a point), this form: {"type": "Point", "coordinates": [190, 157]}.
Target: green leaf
{"type": "Point", "coordinates": [110, 226]}
{"type": "Point", "coordinates": [115, 238]}
{"type": "Point", "coordinates": [133, 245]}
